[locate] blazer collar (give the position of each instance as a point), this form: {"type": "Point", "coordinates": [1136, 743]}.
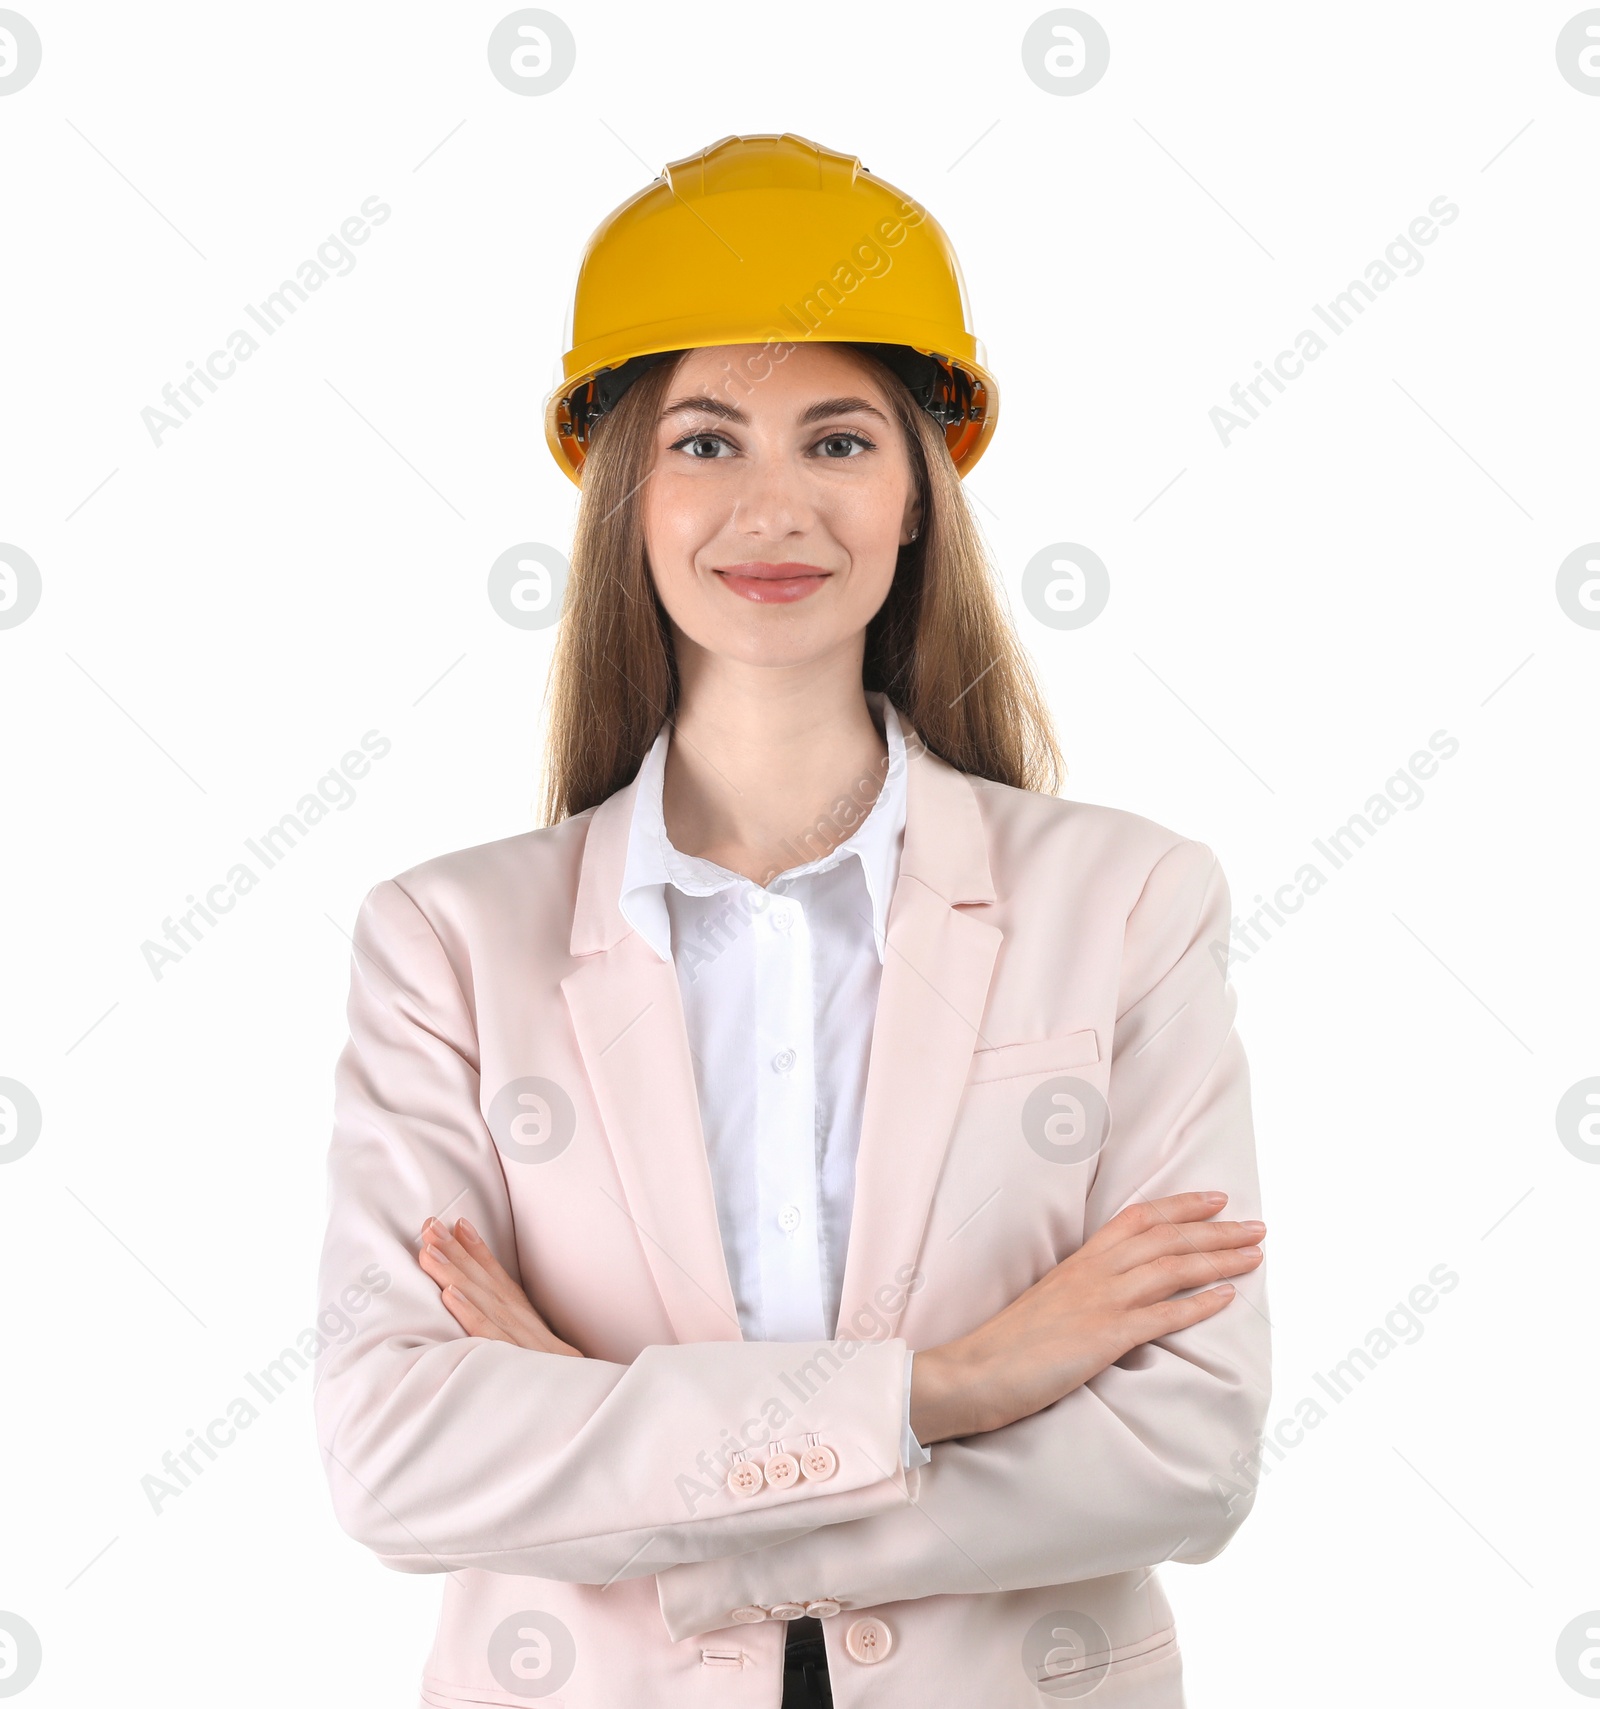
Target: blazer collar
{"type": "Point", "coordinates": [944, 846]}
{"type": "Point", "coordinates": [652, 863]}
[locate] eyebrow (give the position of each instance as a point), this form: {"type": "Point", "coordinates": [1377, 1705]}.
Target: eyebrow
{"type": "Point", "coordinates": [823, 410]}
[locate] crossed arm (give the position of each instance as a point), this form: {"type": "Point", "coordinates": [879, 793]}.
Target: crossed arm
{"type": "Point", "coordinates": [1116, 1292]}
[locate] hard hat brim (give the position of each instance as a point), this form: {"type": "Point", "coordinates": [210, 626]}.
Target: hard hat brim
{"type": "Point", "coordinates": [966, 439]}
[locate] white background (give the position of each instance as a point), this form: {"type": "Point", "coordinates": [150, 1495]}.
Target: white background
{"type": "Point", "coordinates": [306, 559]}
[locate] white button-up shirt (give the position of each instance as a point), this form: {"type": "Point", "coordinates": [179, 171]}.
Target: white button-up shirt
{"type": "Point", "coordinates": [780, 989]}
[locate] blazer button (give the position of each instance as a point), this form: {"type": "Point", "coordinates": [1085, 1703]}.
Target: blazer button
{"type": "Point", "coordinates": [745, 1477]}
{"type": "Point", "coordinates": [819, 1462]}
{"type": "Point", "coordinates": [749, 1615]}
{"type": "Point", "coordinates": [822, 1607]}
{"type": "Point", "coordinates": [868, 1640]}
{"type": "Point", "coordinates": [787, 1610]}
{"type": "Point", "coordinates": [783, 1470]}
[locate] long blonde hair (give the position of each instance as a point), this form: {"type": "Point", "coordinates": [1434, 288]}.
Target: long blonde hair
{"type": "Point", "coordinates": [941, 646]}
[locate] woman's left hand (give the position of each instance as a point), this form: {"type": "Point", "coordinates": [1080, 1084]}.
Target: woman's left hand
{"type": "Point", "coordinates": [479, 1294]}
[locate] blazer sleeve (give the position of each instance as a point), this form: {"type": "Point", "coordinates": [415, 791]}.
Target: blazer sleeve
{"type": "Point", "coordinates": [443, 1451]}
{"type": "Point", "coordinates": [1143, 1463]}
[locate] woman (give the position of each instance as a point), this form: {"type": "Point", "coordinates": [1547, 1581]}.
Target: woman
{"type": "Point", "coordinates": [812, 1029]}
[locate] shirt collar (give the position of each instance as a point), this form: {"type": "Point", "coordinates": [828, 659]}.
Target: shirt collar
{"type": "Point", "coordinates": [652, 862]}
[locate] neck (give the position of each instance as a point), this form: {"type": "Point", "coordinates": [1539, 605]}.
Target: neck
{"type": "Point", "coordinates": [769, 767]}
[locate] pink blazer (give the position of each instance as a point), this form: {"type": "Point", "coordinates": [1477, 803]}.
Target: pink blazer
{"type": "Point", "coordinates": [1054, 1039]}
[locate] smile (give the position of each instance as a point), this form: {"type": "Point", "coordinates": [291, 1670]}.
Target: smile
{"type": "Point", "coordinates": [773, 584]}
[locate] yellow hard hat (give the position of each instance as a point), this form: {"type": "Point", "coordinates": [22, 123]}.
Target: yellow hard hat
{"type": "Point", "coordinates": [771, 240]}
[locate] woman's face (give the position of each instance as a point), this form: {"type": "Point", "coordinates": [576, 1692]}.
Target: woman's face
{"type": "Point", "coordinates": [775, 509]}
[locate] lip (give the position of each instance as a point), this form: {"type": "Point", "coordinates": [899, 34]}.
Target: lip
{"type": "Point", "coordinates": [773, 584]}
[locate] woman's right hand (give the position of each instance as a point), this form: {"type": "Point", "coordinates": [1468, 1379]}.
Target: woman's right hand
{"type": "Point", "coordinates": [1112, 1295]}
{"type": "Point", "coordinates": [479, 1294]}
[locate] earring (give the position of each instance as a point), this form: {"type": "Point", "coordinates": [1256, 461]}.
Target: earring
{"type": "Point", "coordinates": [914, 533]}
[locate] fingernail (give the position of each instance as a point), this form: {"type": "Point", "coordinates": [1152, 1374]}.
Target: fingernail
{"type": "Point", "coordinates": [468, 1230]}
{"type": "Point", "coordinates": [1216, 1198]}
{"type": "Point", "coordinates": [1254, 1227]}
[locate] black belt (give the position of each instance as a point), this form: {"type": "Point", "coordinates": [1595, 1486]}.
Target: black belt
{"type": "Point", "coordinates": [805, 1666]}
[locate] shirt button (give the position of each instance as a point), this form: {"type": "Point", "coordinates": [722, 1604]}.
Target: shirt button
{"type": "Point", "coordinates": [746, 1477]}
{"type": "Point", "coordinates": [819, 1462]}
{"type": "Point", "coordinates": [749, 1615]}
{"type": "Point", "coordinates": [820, 1608]}
{"type": "Point", "coordinates": [787, 1610]}
{"type": "Point", "coordinates": [782, 919]}
{"type": "Point", "coordinates": [868, 1640]}
{"type": "Point", "coordinates": [784, 1061]}
{"type": "Point", "coordinates": [789, 1218]}
{"type": "Point", "coordinates": [782, 1471]}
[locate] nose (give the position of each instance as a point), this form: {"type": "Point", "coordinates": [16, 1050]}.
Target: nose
{"type": "Point", "coordinates": [770, 501]}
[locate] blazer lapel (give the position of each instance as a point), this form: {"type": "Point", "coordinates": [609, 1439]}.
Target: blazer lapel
{"type": "Point", "coordinates": [627, 1012]}
{"type": "Point", "coordinates": [937, 968]}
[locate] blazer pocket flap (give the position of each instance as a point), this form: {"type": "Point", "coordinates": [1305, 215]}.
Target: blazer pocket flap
{"type": "Point", "coordinates": [1035, 1056]}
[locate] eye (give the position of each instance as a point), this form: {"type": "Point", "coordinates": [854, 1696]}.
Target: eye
{"type": "Point", "coordinates": [695, 446]}
{"type": "Point", "coordinates": [845, 446]}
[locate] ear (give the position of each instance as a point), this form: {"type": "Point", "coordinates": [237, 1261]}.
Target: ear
{"type": "Point", "coordinates": [911, 523]}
